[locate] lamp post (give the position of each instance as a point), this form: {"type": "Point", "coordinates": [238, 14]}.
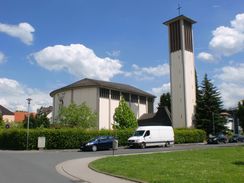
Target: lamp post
{"type": "Point", "coordinates": [28, 123]}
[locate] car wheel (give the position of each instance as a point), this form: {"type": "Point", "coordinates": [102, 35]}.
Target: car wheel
{"type": "Point", "coordinates": [94, 148]}
{"type": "Point", "coordinates": [167, 144]}
{"type": "Point", "coordinates": [143, 145]}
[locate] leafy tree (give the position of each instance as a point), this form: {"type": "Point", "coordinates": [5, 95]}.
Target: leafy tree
{"type": "Point", "coordinates": [77, 116]}
{"type": "Point", "coordinates": [240, 114]}
{"type": "Point", "coordinates": [209, 106]}
{"type": "Point", "coordinates": [1, 120]}
{"type": "Point", "coordinates": [165, 100]}
{"type": "Point", "coordinates": [32, 121]}
{"type": "Point", "coordinates": [42, 120]}
{"type": "Point", "coordinates": [124, 116]}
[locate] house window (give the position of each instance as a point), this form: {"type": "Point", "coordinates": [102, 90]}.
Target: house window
{"type": "Point", "coordinates": [115, 95]}
{"type": "Point", "coordinates": [134, 98]}
{"type": "Point", "coordinates": [126, 96]}
{"type": "Point", "coordinates": [142, 100]}
{"type": "Point", "coordinates": [104, 93]}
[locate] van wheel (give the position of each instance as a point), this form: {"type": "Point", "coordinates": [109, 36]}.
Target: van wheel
{"type": "Point", "coordinates": [167, 144]}
{"type": "Point", "coordinates": [143, 145]}
{"type": "Point", "coordinates": [94, 148]}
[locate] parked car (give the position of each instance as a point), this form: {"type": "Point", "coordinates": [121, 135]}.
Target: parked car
{"type": "Point", "coordinates": [217, 139]}
{"type": "Point", "coordinates": [98, 143]}
{"type": "Point", "coordinates": [236, 138]}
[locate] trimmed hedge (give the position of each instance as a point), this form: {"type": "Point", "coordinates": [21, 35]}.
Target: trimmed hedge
{"type": "Point", "coordinates": [71, 138]}
{"type": "Point", "coordinates": [183, 135]}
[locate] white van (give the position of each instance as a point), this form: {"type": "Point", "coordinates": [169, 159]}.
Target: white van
{"type": "Point", "coordinates": [152, 136]}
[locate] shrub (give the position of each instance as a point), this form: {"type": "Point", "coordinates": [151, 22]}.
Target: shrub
{"type": "Point", "coordinates": [184, 135]}
{"type": "Point", "coordinates": [70, 138]}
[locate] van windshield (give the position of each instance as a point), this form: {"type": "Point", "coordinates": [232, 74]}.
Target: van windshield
{"type": "Point", "coordinates": [139, 133]}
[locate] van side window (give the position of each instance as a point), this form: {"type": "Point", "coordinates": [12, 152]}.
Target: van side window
{"type": "Point", "coordinates": [147, 133]}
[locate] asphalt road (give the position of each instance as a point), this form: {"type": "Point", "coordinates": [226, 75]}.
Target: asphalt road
{"type": "Point", "coordinates": [39, 166]}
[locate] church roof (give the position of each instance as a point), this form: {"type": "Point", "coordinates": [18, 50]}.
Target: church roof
{"type": "Point", "coordinates": [102, 84]}
{"type": "Point", "coordinates": [179, 18]}
{"type": "Point", "coordinates": [160, 118]}
{"type": "Point", "coordinates": [5, 111]}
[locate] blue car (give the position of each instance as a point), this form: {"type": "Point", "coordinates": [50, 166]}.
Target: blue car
{"type": "Point", "coordinates": [98, 143]}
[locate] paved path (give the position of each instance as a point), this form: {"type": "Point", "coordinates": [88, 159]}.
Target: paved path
{"type": "Point", "coordinates": [78, 171]}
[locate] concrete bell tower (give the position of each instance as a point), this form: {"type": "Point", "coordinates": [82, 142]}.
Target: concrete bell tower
{"type": "Point", "coordinates": [182, 71]}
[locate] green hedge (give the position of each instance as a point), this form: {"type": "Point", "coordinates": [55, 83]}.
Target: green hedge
{"type": "Point", "coordinates": [189, 135]}
{"type": "Point", "coordinates": [71, 138]}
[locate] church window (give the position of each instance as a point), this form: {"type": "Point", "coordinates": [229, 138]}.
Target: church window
{"type": "Point", "coordinates": [142, 100]}
{"type": "Point", "coordinates": [104, 93]}
{"type": "Point", "coordinates": [115, 94]}
{"type": "Point", "coordinates": [126, 96]}
{"type": "Point", "coordinates": [134, 98]}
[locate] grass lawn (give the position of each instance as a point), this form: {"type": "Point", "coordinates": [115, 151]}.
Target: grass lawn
{"type": "Point", "coordinates": [220, 165]}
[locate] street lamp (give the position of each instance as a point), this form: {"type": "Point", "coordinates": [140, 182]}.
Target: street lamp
{"type": "Point", "coordinates": [28, 123]}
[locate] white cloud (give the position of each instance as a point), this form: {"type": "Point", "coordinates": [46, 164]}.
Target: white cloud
{"type": "Point", "coordinates": [2, 57]}
{"type": "Point", "coordinates": [231, 93]}
{"type": "Point", "coordinates": [238, 23]}
{"type": "Point", "coordinates": [23, 31]}
{"type": "Point", "coordinates": [227, 41]}
{"type": "Point", "coordinates": [231, 84]}
{"type": "Point", "coordinates": [143, 73]}
{"type": "Point", "coordinates": [13, 96]}
{"type": "Point", "coordinates": [232, 73]}
{"type": "Point", "coordinates": [77, 60]}
{"type": "Point", "coordinates": [162, 89]}
{"type": "Point", "coordinates": [205, 56]}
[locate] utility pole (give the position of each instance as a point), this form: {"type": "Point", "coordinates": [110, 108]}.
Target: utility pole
{"type": "Point", "coordinates": [28, 123]}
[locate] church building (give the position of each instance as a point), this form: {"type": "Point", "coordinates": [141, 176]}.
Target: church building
{"type": "Point", "coordinates": [102, 97]}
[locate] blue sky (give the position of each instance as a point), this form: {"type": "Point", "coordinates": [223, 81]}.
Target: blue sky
{"type": "Point", "coordinates": [45, 45]}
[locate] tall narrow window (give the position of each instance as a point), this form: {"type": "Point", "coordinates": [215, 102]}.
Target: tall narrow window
{"type": "Point", "coordinates": [188, 36]}
{"type": "Point", "coordinates": [115, 95]}
{"type": "Point", "coordinates": [134, 98]}
{"type": "Point", "coordinates": [126, 96]}
{"type": "Point", "coordinates": [143, 100]}
{"type": "Point", "coordinates": [175, 36]}
{"type": "Point", "coordinates": [104, 93]}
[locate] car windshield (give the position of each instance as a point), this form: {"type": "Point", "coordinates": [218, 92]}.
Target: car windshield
{"type": "Point", "coordinates": [139, 133]}
{"type": "Point", "coordinates": [93, 139]}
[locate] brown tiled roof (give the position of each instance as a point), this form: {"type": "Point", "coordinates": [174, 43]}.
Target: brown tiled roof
{"type": "Point", "coordinates": [102, 84]}
{"type": "Point", "coordinates": [5, 111]}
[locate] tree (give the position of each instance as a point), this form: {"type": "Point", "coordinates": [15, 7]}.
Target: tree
{"type": "Point", "coordinates": [165, 100]}
{"type": "Point", "coordinates": [32, 121]}
{"type": "Point", "coordinates": [209, 106]}
{"type": "Point", "coordinates": [1, 120]}
{"type": "Point", "coordinates": [77, 116]}
{"type": "Point", "coordinates": [240, 114]}
{"type": "Point", "coordinates": [124, 117]}
{"type": "Point", "coordinates": [42, 120]}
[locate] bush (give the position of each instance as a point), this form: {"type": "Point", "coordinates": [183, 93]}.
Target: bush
{"type": "Point", "coordinates": [70, 138]}
{"type": "Point", "coordinates": [184, 135]}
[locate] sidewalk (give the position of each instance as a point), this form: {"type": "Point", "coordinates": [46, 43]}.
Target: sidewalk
{"type": "Point", "coordinates": [78, 171]}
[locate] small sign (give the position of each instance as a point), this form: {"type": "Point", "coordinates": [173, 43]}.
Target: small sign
{"type": "Point", "coordinates": [41, 142]}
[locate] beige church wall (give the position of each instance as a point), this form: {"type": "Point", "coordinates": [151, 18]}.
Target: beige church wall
{"type": "Point", "coordinates": [86, 95]}
{"type": "Point", "coordinates": [142, 109]}
{"type": "Point", "coordinates": [135, 108]}
{"type": "Point", "coordinates": [177, 90]}
{"type": "Point", "coordinates": [113, 105]}
{"type": "Point", "coordinates": [190, 86]}
{"type": "Point", "coordinates": [103, 113]}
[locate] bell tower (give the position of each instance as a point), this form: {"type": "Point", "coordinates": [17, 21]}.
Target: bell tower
{"type": "Point", "coordinates": [182, 71]}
